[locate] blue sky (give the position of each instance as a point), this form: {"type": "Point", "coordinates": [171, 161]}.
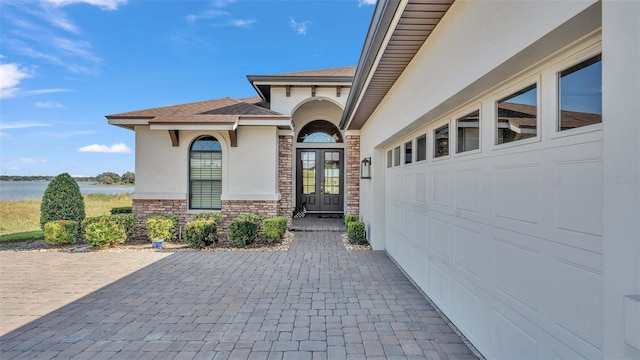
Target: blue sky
{"type": "Point", "coordinates": [65, 64]}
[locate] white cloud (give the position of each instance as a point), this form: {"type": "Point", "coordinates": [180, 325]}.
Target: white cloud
{"type": "Point", "coordinates": [21, 125]}
{"type": "Point", "coordinates": [242, 23]}
{"type": "Point", "coordinates": [32, 161]}
{"type": "Point", "coordinates": [49, 105]}
{"type": "Point", "coordinates": [366, 2]}
{"type": "Point", "coordinates": [43, 91]}
{"type": "Point", "coordinates": [299, 27]}
{"type": "Point", "coordinates": [103, 4]}
{"type": "Point", "coordinates": [10, 76]}
{"type": "Point", "coordinates": [206, 15]}
{"type": "Point", "coordinates": [119, 148]}
{"type": "Point", "coordinates": [4, 134]}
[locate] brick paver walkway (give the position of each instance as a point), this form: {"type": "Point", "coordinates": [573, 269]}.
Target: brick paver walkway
{"type": "Point", "coordinates": [317, 301]}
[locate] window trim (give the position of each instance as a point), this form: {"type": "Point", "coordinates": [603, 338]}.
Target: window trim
{"type": "Point", "coordinates": [189, 179]}
{"type": "Point", "coordinates": [511, 90]}
{"type": "Point", "coordinates": [404, 158]}
{"type": "Point", "coordinates": [426, 148]}
{"type": "Point", "coordinates": [575, 59]}
{"type": "Point", "coordinates": [398, 157]}
{"type": "Point", "coordinates": [459, 115]}
{"type": "Point", "coordinates": [439, 125]}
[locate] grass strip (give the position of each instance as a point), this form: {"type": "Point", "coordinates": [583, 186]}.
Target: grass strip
{"type": "Point", "coordinates": [22, 236]}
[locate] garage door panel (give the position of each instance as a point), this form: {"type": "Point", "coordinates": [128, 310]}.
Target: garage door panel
{"type": "Point", "coordinates": [467, 249]}
{"type": "Point", "coordinates": [524, 288]}
{"type": "Point", "coordinates": [516, 193]}
{"type": "Point", "coordinates": [576, 309]}
{"type": "Point", "coordinates": [441, 189]}
{"type": "Point", "coordinates": [441, 238]}
{"type": "Point", "coordinates": [579, 197]}
{"type": "Point", "coordinates": [467, 190]}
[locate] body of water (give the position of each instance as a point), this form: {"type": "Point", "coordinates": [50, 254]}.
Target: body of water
{"type": "Point", "coordinates": [18, 190]}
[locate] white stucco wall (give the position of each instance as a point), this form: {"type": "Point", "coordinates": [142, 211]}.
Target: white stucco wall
{"type": "Point", "coordinates": [621, 249]}
{"type": "Point", "coordinates": [287, 105]}
{"type": "Point", "coordinates": [478, 48]}
{"type": "Point", "coordinates": [454, 67]}
{"type": "Point", "coordinates": [252, 165]}
{"type": "Point", "coordinates": [249, 171]}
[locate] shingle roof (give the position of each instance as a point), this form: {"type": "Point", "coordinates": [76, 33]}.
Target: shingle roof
{"type": "Point", "coordinates": [218, 111]}
{"type": "Point", "coordinates": [340, 71]}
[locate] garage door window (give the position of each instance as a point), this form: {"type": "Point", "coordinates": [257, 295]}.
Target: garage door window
{"type": "Point", "coordinates": [408, 152]}
{"type": "Point", "coordinates": [441, 141]}
{"type": "Point", "coordinates": [469, 132]}
{"type": "Point", "coordinates": [518, 116]}
{"type": "Point", "coordinates": [580, 94]}
{"type": "Point", "coordinates": [421, 148]}
{"type": "Point", "coordinates": [396, 156]}
{"type": "Point", "coordinates": [389, 158]}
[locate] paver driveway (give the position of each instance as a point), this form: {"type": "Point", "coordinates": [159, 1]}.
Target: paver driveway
{"type": "Point", "coordinates": [316, 301]}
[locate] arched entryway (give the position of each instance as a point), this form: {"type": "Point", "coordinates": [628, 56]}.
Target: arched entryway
{"type": "Point", "coordinates": [320, 168]}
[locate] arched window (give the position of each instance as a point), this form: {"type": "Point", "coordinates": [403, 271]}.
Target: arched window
{"type": "Point", "coordinates": [320, 131]}
{"type": "Point", "coordinates": [205, 174]}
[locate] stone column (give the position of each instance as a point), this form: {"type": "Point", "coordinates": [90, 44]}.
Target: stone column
{"type": "Point", "coordinates": [285, 176]}
{"type": "Point", "coordinates": [353, 174]}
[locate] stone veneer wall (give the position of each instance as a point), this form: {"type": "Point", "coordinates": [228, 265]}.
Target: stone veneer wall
{"type": "Point", "coordinates": [353, 174]}
{"type": "Point", "coordinates": [285, 176]}
{"type": "Point", "coordinates": [233, 208]}
{"type": "Point", "coordinates": [147, 208]}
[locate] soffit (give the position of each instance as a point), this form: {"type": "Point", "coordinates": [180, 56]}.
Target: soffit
{"type": "Point", "coordinates": [416, 22]}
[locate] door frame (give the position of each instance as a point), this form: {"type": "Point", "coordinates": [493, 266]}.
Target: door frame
{"type": "Point", "coordinates": [296, 164]}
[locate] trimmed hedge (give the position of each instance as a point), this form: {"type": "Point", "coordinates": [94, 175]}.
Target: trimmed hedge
{"type": "Point", "coordinates": [62, 201]}
{"type": "Point", "coordinates": [356, 233]}
{"type": "Point", "coordinates": [244, 229]}
{"type": "Point", "coordinates": [350, 217]}
{"type": "Point", "coordinates": [200, 233]}
{"type": "Point", "coordinates": [105, 233]}
{"type": "Point", "coordinates": [274, 228]}
{"type": "Point", "coordinates": [162, 227]}
{"type": "Point", "coordinates": [61, 232]}
{"type": "Point", "coordinates": [217, 217]}
{"type": "Point", "coordinates": [128, 221]}
{"type": "Point", "coordinates": [122, 210]}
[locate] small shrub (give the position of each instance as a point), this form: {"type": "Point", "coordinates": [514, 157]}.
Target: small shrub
{"type": "Point", "coordinates": [274, 228]}
{"type": "Point", "coordinates": [128, 221]}
{"type": "Point", "coordinates": [252, 218]}
{"type": "Point", "coordinates": [349, 218]}
{"type": "Point", "coordinates": [88, 221]}
{"type": "Point", "coordinates": [122, 210]}
{"type": "Point", "coordinates": [61, 232]}
{"type": "Point", "coordinates": [105, 233]}
{"type": "Point", "coordinates": [62, 201]}
{"type": "Point", "coordinates": [201, 233]}
{"type": "Point", "coordinates": [217, 217]}
{"type": "Point", "coordinates": [244, 229]}
{"type": "Point", "coordinates": [161, 228]}
{"type": "Point", "coordinates": [356, 232]}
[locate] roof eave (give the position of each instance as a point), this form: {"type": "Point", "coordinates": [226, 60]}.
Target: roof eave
{"type": "Point", "coordinates": [379, 66]}
{"type": "Point", "coordinates": [382, 17]}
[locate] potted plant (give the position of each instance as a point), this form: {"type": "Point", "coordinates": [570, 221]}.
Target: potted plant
{"type": "Point", "coordinates": [160, 229]}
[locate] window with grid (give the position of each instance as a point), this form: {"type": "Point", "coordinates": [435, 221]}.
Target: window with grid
{"type": "Point", "coordinates": [205, 174]}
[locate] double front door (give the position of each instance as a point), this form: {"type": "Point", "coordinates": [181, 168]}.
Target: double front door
{"type": "Point", "coordinates": [320, 179]}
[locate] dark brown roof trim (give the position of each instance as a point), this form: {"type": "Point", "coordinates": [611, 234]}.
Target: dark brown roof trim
{"type": "Point", "coordinates": [380, 22]}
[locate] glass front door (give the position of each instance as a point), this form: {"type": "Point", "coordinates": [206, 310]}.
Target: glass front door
{"type": "Point", "coordinates": [320, 179]}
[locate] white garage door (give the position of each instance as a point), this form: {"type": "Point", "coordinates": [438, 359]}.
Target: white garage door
{"type": "Point", "coordinates": [505, 239]}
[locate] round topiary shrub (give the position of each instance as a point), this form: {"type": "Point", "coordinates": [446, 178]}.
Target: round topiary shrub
{"type": "Point", "coordinates": [62, 201]}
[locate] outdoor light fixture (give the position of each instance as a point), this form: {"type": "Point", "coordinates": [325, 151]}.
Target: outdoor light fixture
{"type": "Point", "coordinates": [365, 168]}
